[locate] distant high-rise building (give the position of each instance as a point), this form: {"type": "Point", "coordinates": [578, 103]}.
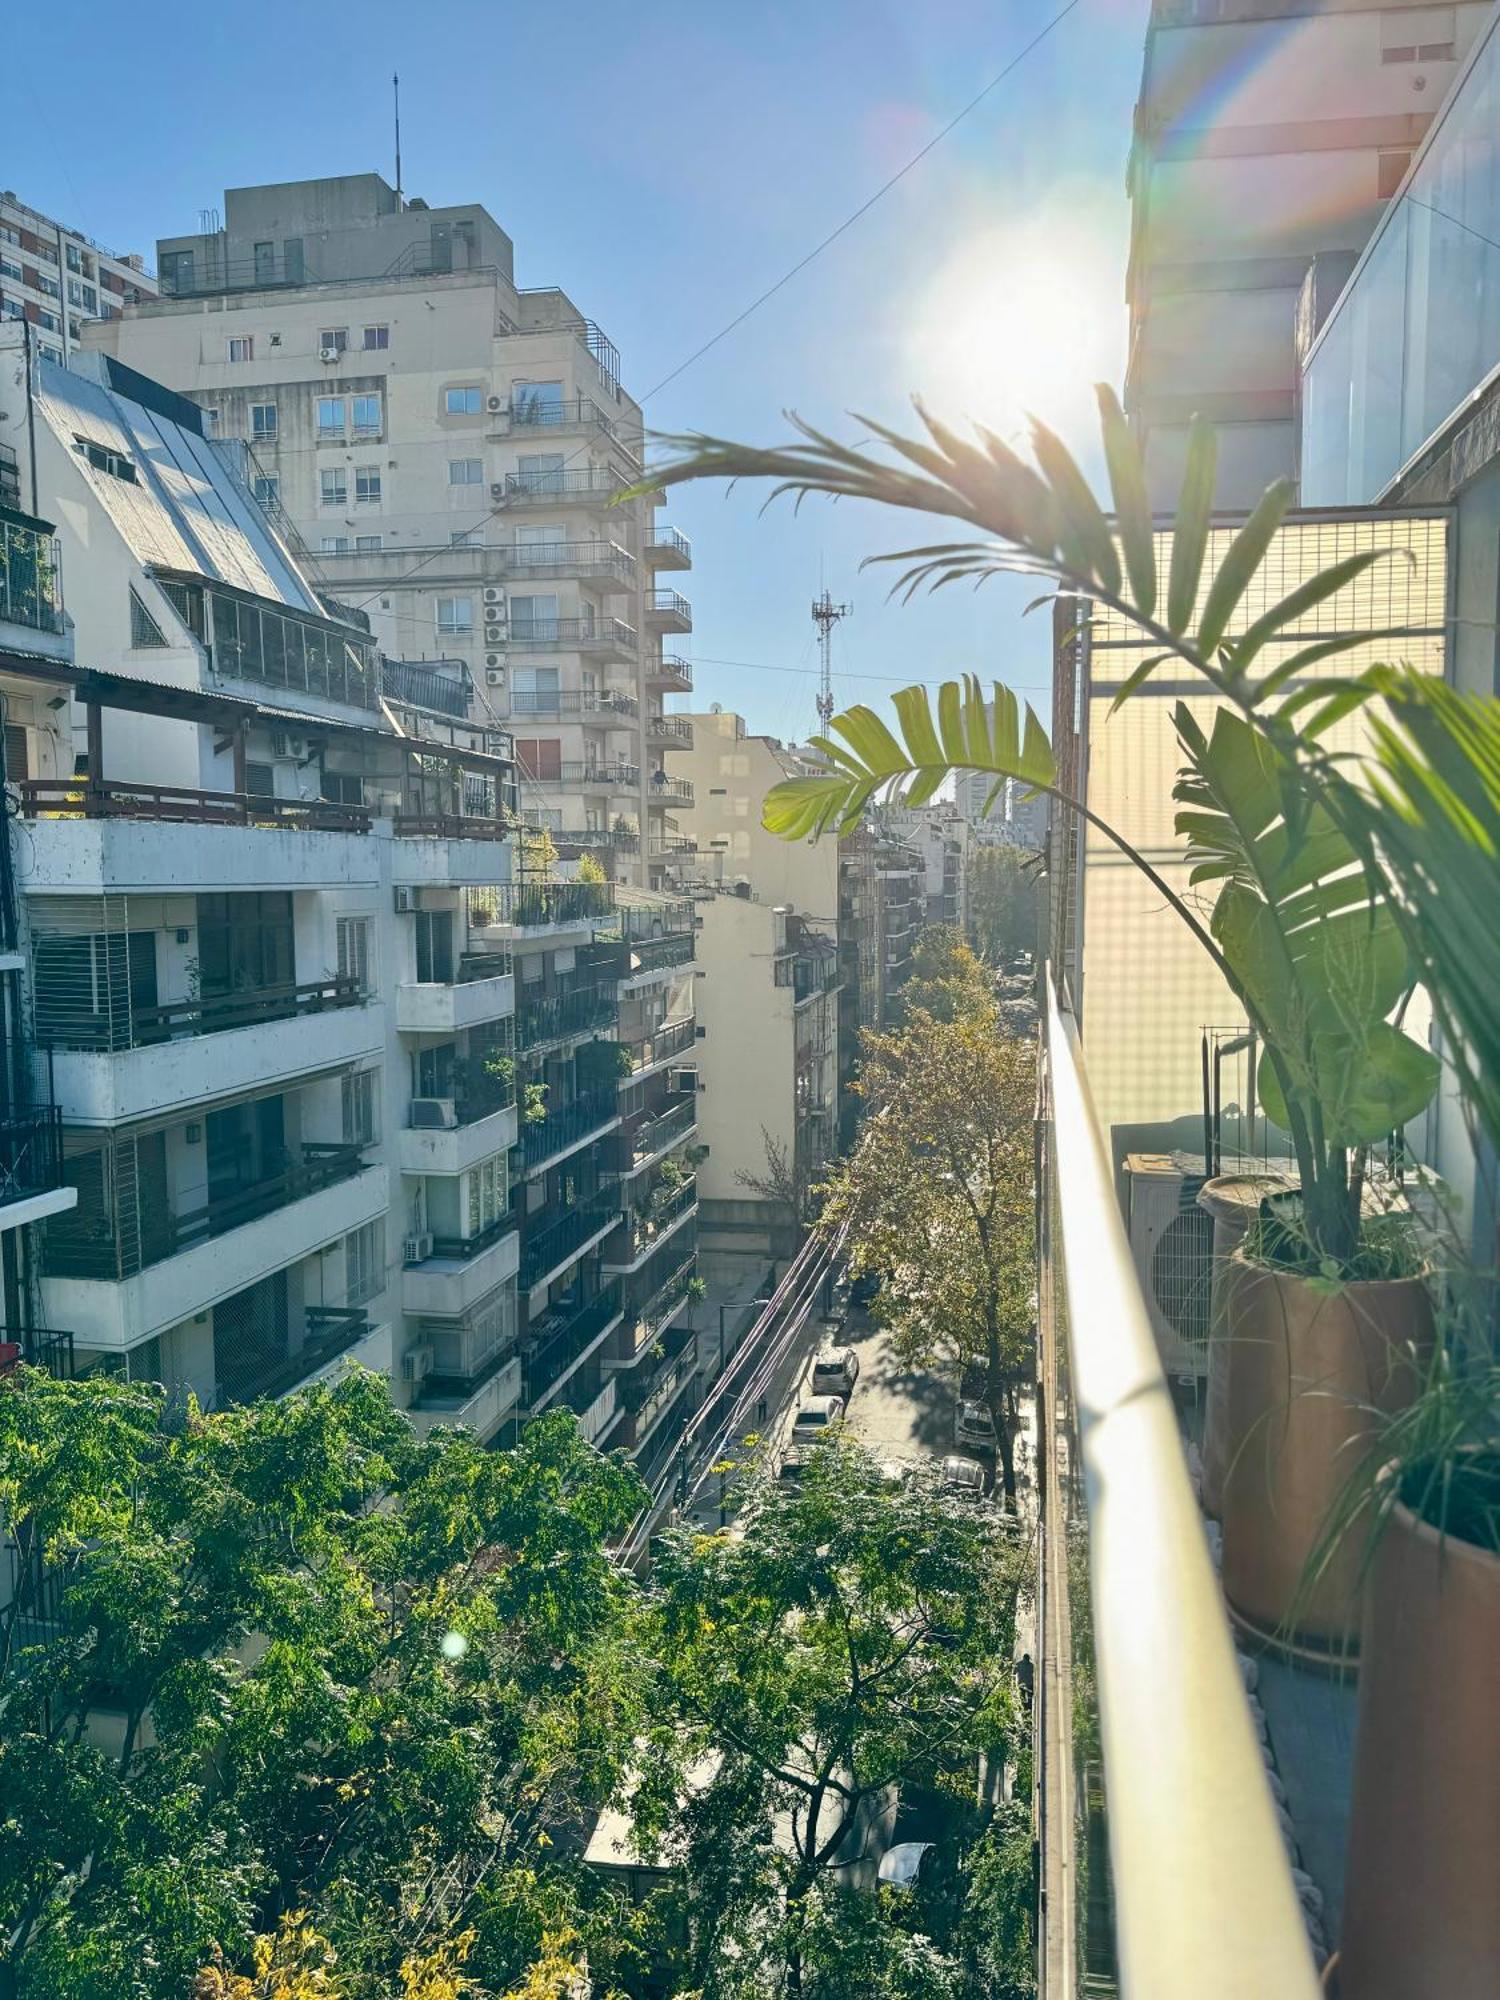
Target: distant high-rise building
{"type": "Point", "coordinates": [57, 278]}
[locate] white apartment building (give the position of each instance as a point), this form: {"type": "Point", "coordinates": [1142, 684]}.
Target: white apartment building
{"type": "Point", "coordinates": [448, 448]}
{"type": "Point", "coordinates": [266, 915]}
{"type": "Point", "coordinates": [57, 279]}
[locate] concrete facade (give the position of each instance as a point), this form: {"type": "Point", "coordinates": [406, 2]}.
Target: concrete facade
{"type": "Point", "coordinates": [56, 279]}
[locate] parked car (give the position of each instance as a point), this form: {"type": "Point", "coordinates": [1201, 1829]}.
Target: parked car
{"type": "Point", "coordinates": [965, 1478]}
{"type": "Point", "coordinates": [974, 1427]}
{"type": "Point", "coordinates": [863, 1288]}
{"type": "Point", "coordinates": [835, 1372]}
{"type": "Point", "coordinates": [813, 1419]}
{"type": "Point", "coordinates": [793, 1465]}
{"type": "Point", "coordinates": [905, 1865]}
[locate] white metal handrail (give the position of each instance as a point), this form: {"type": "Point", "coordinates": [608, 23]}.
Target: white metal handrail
{"type": "Point", "coordinates": [1203, 1894]}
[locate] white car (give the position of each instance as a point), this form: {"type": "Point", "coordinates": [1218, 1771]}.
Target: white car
{"type": "Point", "coordinates": [813, 1419]}
{"type": "Point", "coordinates": [835, 1373]}
{"type": "Point", "coordinates": [974, 1427]}
{"type": "Point", "coordinates": [964, 1478]}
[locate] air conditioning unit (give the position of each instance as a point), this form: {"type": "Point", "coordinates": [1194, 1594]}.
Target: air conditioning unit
{"type": "Point", "coordinates": [497, 489]}
{"type": "Point", "coordinates": [328, 354]}
{"type": "Point", "coordinates": [493, 594]}
{"type": "Point", "coordinates": [494, 659]}
{"type": "Point", "coordinates": [495, 403]}
{"type": "Point", "coordinates": [283, 745]}
{"type": "Point", "coordinates": [416, 1249]}
{"type": "Point", "coordinates": [686, 1078]}
{"type": "Point", "coordinates": [416, 1363]}
{"type": "Point", "coordinates": [407, 900]}
{"type": "Point", "coordinates": [497, 743]}
{"type": "Point", "coordinates": [433, 1114]}
{"type": "Point", "coordinates": [494, 635]}
{"type": "Point", "coordinates": [1171, 1240]}
{"type": "Point", "coordinates": [493, 677]}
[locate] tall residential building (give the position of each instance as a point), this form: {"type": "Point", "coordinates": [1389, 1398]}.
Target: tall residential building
{"type": "Point", "coordinates": [1269, 135]}
{"type": "Point", "coordinates": [57, 279]}
{"type": "Point", "coordinates": [340, 1074]}
{"type": "Point", "coordinates": [448, 448]}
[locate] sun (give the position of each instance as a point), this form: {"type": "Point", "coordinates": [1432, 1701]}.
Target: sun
{"type": "Point", "coordinates": [1022, 319]}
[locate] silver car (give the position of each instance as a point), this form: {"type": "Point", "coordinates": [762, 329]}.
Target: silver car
{"type": "Point", "coordinates": [835, 1373]}
{"type": "Point", "coordinates": [813, 1419]}
{"type": "Point", "coordinates": [974, 1427]}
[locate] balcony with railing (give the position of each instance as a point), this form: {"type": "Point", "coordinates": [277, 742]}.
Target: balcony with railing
{"type": "Point", "coordinates": [669, 732]}
{"type": "Point", "coordinates": [604, 708]}
{"type": "Point", "coordinates": [619, 839]}
{"type": "Point", "coordinates": [85, 798]}
{"type": "Point", "coordinates": [669, 611]}
{"type": "Point", "coordinates": [661, 916]}
{"type": "Point", "coordinates": [556, 417]}
{"type": "Point", "coordinates": [328, 1332]}
{"type": "Point", "coordinates": [568, 485]}
{"type": "Point", "coordinates": [650, 1396]}
{"type": "Point", "coordinates": [31, 1158]}
{"type": "Point", "coordinates": [670, 791]}
{"type": "Point", "coordinates": [39, 1347]}
{"type": "Point", "coordinates": [660, 1288]}
{"type": "Point", "coordinates": [1163, 1870]}
{"type": "Point", "coordinates": [653, 1138]}
{"type": "Point", "coordinates": [568, 1127]}
{"type": "Point", "coordinates": [667, 549]}
{"type": "Point", "coordinates": [554, 1017]}
{"type": "Point", "coordinates": [557, 1343]}
{"type": "Point", "coordinates": [583, 776]}
{"type": "Point", "coordinates": [670, 673]}
{"type": "Point", "coordinates": [665, 846]}
{"type": "Point", "coordinates": [548, 1249]}
{"type": "Point", "coordinates": [446, 689]}
{"type": "Point", "coordinates": [537, 906]}
{"type": "Point", "coordinates": [611, 637]}
{"type": "Point", "coordinates": [665, 1044]}
{"type": "Point", "coordinates": [648, 1225]}
{"type": "Point", "coordinates": [595, 1404]}
{"type": "Point", "coordinates": [482, 991]}
{"type": "Point", "coordinates": [30, 577]}
{"type": "Point", "coordinates": [658, 955]}
{"type": "Point", "coordinates": [605, 565]}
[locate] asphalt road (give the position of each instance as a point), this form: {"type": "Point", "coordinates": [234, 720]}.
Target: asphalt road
{"type": "Point", "coordinates": [896, 1412]}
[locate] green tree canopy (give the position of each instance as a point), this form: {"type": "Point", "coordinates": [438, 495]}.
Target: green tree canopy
{"type": "Point", "coordinates": [1003, 902]}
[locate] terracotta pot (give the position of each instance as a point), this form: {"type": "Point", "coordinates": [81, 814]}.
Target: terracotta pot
{"type": "Point", "coordinates": [1422, 1886]}
{"type": "Point", "coordinates": [1311, 1374]}
{"type": "Point", "coordinates": [1233, 1200]}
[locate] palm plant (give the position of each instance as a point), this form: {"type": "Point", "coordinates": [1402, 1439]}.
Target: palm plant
{"type": "Point", "coordinates": [1301, 925]}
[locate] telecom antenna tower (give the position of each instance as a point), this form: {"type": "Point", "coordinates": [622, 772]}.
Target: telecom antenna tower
{"type": "Point", "coordinates": [826, 614]}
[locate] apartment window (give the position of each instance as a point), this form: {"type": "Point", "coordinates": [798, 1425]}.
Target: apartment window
{"type": "Point", "coordinates": [333, 486]}
{"type": "Point", "coordinates": [343, 788]}
{"type": "Point", "coordinates": [367, 416]}
{"type": "Point", "coordinates": [539, 757]}
{"type": "Point", "coordinates": [364, 1249]}
{"type": "Point", "coordinates": [53, 289]}
{"type": "Point", "coordinates": [330, 416]}
{"type": "Point", "coordinates": [368, 544]}
{"type": "Point", "coordinates": [466, 472]}
{"type": "Point", "coordinates": [210, 423]}
{"type": "Point", "coordinates": [12, 309]}
{"type": "Point", "coordinates": [376, 337]}
{"type": "Point", "coordinates": [48, 320]}
{"type": "Point", "coordinates": [242, 347]}
{"type": "Point", "coordinates": [534, 616]}
{"type": "Point", "coordinates": [75, 262]}
{"type": "Point", "coordinates": [53, 354]}
{"type": "Point", "coordinates": [267, 489]}
{"type": "Point", "coordinates": [367, 485]}
{"type": "Point", "coordinates": [336, 337]}
{"type": "Point", "coordinates": [467, 538]}
{"type": "Point", "coordinates": [75, 292]}
{"type": "Point", "coordinates": [90, 299]}
{"type": "Point", "coordinates": [334, 545]}
{"type": "Point", "coordinates": [434, 947]}
{"type": "Point", "coordinates": [463, 402]}
{"type": "Point", "coordinates": [10, 270]}
{"type": "Point", "coordinates": [455, 614]}
{"type": "Point", "coordinates": [537, 402]}
{"type": "Point", "coordinates": [262, 420]}
{"type": "Point", "coordinates": [487, 1194]}
{"type": "Point", "coordinates": [9, 235]}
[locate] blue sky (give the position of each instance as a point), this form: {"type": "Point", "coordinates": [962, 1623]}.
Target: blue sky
{"type": "Point", "coordinates": [665, 164]}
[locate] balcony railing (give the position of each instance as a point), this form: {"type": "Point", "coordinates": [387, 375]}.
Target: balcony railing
{"type": "Point", "coordinates": [671, 670]}
{"type": "Point", "coordinates": [657, 1396]}
{"type": "Point", "coordinates": [640, 921]}
{"type": "Point", "coordinates": [580, 635]}
{"type": "Point", "coordinates": [554, 1015]}
{"type": "Point", "coordinates": [668, 544]}
{"type": "Point", "coordinates": [569, 413]}
{"type": "Point", "coordinates": [91, 1241]}
{"type": "Point", "coordinates": [427, 687]}
{"type": "Point", "coordinates": [601, 704]}
{"type": "Point", "coordinates": [657, 1135]}
{"type": "Point", "coordinates": [1201, 1891]}
{"type": "Point", "coordinates": [663, 845]}
{"type": "Point", "coordinates": [539, 905]}
{"type": "Point", "coordinates": [676, 791]}
{"type": "Point", "coordinates": [39, 1347]}
{"type": "Point", "coordinates": [661, 1296]}
{"type": "Point", "coordinates": [30, 578]}
{"type": "Point", "coordinates": [669, 611]}
{"type": "Point", "coordinates": [330, 1332]}
{"type": "Point", "coordinates": [69, 1020]}
{"type": "Point", "coordinates": [448, 826]}
{"type": "Point", "coordinates": [556, 1342]}
{"type": "Point", "coordinates": [654, 954]}
{"type": "Point", "coordinates": [545, 1249]}
{"type": "Point", "coordinates": [590, 560]}
{"type": "Point", "coordinates": [545, 488]}
{"type": "Point", "coordinates": [648, 1224]}
{"type": "Point", "coordinates": [30, 1152]}
{"type": "Point", "coordinates": [663, 1045]}
{"type": "Point", "coordinates": [571, 776]}
{"type": "Point", "coordinates": [672, 732]}
{"type": "Point", "coordinates": [461, 1249]}
{"type": "Point", "coordinates": [568, 1126]}
{"type": "Point", "coordinates": [81, 798]}
{"type": "Point", "coordinates": [623, 840]}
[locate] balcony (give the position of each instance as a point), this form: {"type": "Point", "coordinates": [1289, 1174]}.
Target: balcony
{"type": "Point", "coordinates": [595, 1408]}
{"type": "Point", "coordinates": [31, 1166]}
{"type": "Point", "coordinates": [556, 419]}
{"type": "Point", "coordinates": [480, 1403]}
{"type": "Point", "coordinates": [676, 1371]}
{"type": "Point", "coordinates": [661, 1289]}
{"type": "Point", "coordinates": [472, 1120]}
{"type": "Point", "coordinates": [610, 637]}
{"type": "Point", "coordinates": [602, 708]}
{"type": "Point", "coordinates": [78, 798]}
{"type": "Point", "coordinates": [484, 991]}
{"type": "Point", "coordinates": [666, 549]}
{"type": "Point", "coordinates": [664, 846]}
{"type": "Point", "coordinates": [553, 1017]}
{"type": "Point", "coordinates": [638, 921]}
{"type": "Point", "coordinates": [605, 565]}
{"type": "Point", "coordinates": [582, 486]}
{"type": "Point", "coordinates": [648, 1227]}
{"type": "Point", "coordinates": [670, 791]}
{"type": "Point", "coordinates": [668, 611]}
{"type": "Point", "coordinates": [459, 1271]}
{"type": "Point", "coordinates": [562, 1339]}
{"type": "Point", "coordinates": [564, 1130]}
{"type": "Point", "coordinates": [329, 1334]}
{"type": "Point", "coordinates": [570, 776]}
{"type": "Point", "coordinates": [658, 955]}
{"type": "Point", "coordinates": [548, 906]}
{"type": "Point", "coordinates": [669, 732]}
{"type": "Point", "coordinates": [649, 1054]}
{"type": "Point", "coordinates": [655, 1137]}
{"type": "Point", "coordinates": [427, 686]}
{"type": "Point", "coordinates": [595, 839]}
{"type": "Point", "coordinates": [549, 1250]}
{"type": "Point", "coordinates": [1194, 1894]}
{"type": "Point", "coordinates": [30, 578]}
{"type": "Point", "coordinates": [670, 673]}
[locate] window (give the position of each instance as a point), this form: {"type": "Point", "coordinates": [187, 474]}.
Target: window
{"type": "Point", "coordinates": [242, 347]}
{"type": "Point", "coordinates": [353, 946]}
{"type": "Point", "coordinates": [467, 538]}
{"type": "Point", "coordinates": [535, 616]}
{"type": "Point", "coordinates": [210, 423]}
{"type": "Point", "coordinates": [47, 319]}
{"type": "Point", "coordinates": [333, 486]}
{"type": "Point", "coordinates": [344, 788]}
{"type": "Point", "coordinates": [262, 420]}
{"type": "Point", "coordinates": [369, 543]}
{"type": "Point", "coordinates": [267, 489]}
{"type": "Point", "coordinates": [539, 757]}
{"type": "Point", "coordinates": [376, 336]}
{"type": "Point", "coordinates": [463, 402]}
{"type": "Point", "coordinates": [367, 485]}
{"type": "Point", "coordinates": [455, 614]}
{"type": "Point", "coordinates": [10, 270]}
{"type": "Point", "coordinates": [144, 630]}
{"type": "Point", "coordinates": [434, 930]}
{"type": "Point", "coordinates": [75, 292]}
{"type": "Point", "coordinates": [75, 261]}
{"type": "Point", "coordinates": [334, 545]}
{"type": "Point", "coordinates": [53, 289]}
{"type": "Point", "coordinates": [12, 309]}
{"type": "Point", "coordinates": [90, 299]}
{"type": "Point", "coordinates": [487, 1194]}
{"type": "Point", "coordinates": [541, 472]}
{"type": "Point", "coordinates": [104, 459]}
{"type": "Point", "coordinates": [537, 402]}
{"type": "Point", "coordinates": [330, 416]}
{"type": "Point", "coordinates": [364, 1249]}
{"type": "Point", "coordinates": [466, 472]}
{"type": "Point", "coordinates": [336, 337]}
{"type": "Point", "coordinates": [367, 416]}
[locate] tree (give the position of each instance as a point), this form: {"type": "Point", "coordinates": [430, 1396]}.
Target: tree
{"type": "Point", "coordinates": [290, 1663]}
{"type": "Point", "coordinates": [1003, 902]}
{"type": "Point", "coordinates": [852, 1639]}
{"type": "Point", "coordinates": [590, 869]}
{"type": "Point", "coordinates": [938, 1199]}
{"type": "Point", "coordinates": [946, 979]}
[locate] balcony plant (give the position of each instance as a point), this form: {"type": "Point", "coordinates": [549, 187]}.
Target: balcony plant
{"type": "Point", "coordinates": [1302, 924]}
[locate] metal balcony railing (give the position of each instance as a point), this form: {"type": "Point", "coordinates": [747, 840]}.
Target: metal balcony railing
{"type": "Point", "coordinates": [1203, 1900]}
{"type": "Point", "coordinates": [671, 610]}
{"type": "Point", "coordinates": [568, 1126]}
{"type": "Point", "coordinates": [656, 1135]}
{"type": "Point", "coordinates": [584, 559]}
{"type": "Point", "coordinates": [652, 1220]}
{"type": "Point", "coordinates": [676, 791]}
{"type": "Point", "coordinates": [601, 704]}
{"type": "Point", "coordinates": [571, 776]}
{"type": "Point", "coordinates": [544, 1250]}
{"type": "Point", "coordinates": [462, 1248]}
{"type": "Point", "coordinates": [654, 954]}
{"type": "Point", "coordinates": [659, 1289]}
{"type": "Point", "coordinates": [671, 669]}
{"type": "Point", "coordinates": [670, 542]}
{"type": "Point", "coordinates": [636, 922]}
{"type": "Point", "coordinates": [30, 578]}
{"type": "Point", "coordinates": [39, 1347]}
{"type": "Point", "coordinates": [82, 798]}
{"type": "Point", "coordinates": [30, 1152]}
{"type": "Point", "coordinates": [569, 413]}
{"type": "Point", "coordinates": [673, 732]}
{"type": "Point", "coordinates": [664, 1044]}
{"type": "Point", "coordinates": [427, 686]}
{"type": "Point", "coordinates": [580, 484]}
{"type": "Point", "coordinates": [563, 1337]}
{"type": "Point", "coordinates": [538, 905]}
{"type": "Point", "coordinates": [553, 1015]}
{"type": "Point", "coordinates": [330, 1332]}
{"type": "Point", "coordinates": [70, 1015]}
{"type": "Point", "coordinates": [582, 635]}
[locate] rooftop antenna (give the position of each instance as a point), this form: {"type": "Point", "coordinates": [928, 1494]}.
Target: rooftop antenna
{"type": "Point", "coordinates": [826, 614]}
{"type": "Point", "coordinates": [396, 94]}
